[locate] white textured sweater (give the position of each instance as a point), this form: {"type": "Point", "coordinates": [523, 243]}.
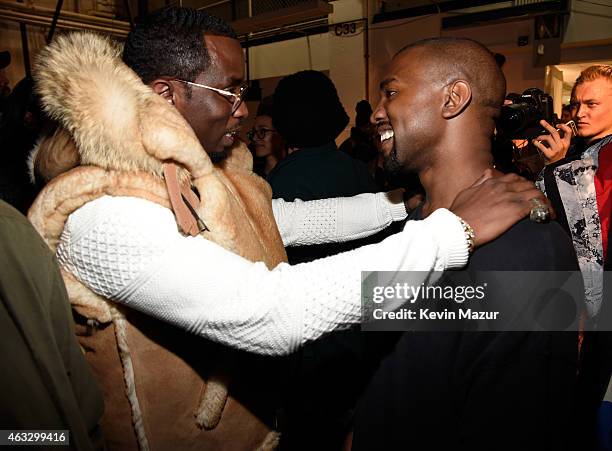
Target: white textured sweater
{"type": "Point", "coordinates": [129, 249]}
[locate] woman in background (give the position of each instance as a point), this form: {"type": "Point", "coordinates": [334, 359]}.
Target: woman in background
{"type": "Point", "coordinates": [266, 143]}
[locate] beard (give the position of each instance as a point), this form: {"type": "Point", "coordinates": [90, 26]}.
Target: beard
{"type": "Point", "coordinates": [392, 166]}
{"type": "Point", "coordinates": [401, 174]}
{"type": "Point", "coordinates": [395, 171]}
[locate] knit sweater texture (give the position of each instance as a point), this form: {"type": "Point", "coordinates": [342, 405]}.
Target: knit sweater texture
{"type": "Point", "coordinates": [129, 249]}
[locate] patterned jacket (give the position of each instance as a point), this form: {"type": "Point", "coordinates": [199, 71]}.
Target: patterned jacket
{"type": "Point", "coordinates": [570, 186]}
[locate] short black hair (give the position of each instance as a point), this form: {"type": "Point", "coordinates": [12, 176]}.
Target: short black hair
{"type": "Point", "coordinates": [451, 58]}
{"type": "Point", "coordinates": [266, 106]}
{"type": "Point", "coordinates": [307, 111]}
{"type": "Point", "coordinates": [170, 42]}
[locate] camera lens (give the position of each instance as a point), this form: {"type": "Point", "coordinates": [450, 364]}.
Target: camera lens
{"type": "Point", "coordinates": [516, 117]}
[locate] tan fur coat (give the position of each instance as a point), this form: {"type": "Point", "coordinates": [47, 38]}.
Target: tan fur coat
{"type": "Point", "coordinates": [164, 389]}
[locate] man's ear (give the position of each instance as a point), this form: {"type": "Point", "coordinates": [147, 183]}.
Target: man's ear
{"type": "Point", "coordinates": [165, 89]}
{"type": "Point", "coordinates": [457, 97]}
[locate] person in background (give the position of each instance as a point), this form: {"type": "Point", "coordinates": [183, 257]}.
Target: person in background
{"type": "Point", "coordinates": [325, 376]}
{"type": "Point", "coordinates": [268, 146]}
{"type": "Point", "coordinates": [362, 142]}
{"type": "Point", "coordinates": [566, 113]}
{"type": "Point", "coordinates": [46, 382]}
{"type": "Point", "coordinates": [578, 181]}
{"type": "Point", "coordinates": [309, 116]}
{"type": "Point", "coordinates": [20, 126]}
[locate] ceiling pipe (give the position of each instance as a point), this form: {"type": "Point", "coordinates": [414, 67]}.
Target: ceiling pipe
{"type": "Point", "coordinates": [56, 15]}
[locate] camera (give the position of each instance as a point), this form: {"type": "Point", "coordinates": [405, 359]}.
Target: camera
{"type": "Point", "coordinates": [521, 119]}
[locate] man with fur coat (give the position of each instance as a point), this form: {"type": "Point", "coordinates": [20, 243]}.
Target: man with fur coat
{"type": "Point", "coordinates": [166, 237]}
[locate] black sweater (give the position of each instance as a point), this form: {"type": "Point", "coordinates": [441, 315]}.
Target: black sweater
{"type": "Point", "coordinates": [479, 390]}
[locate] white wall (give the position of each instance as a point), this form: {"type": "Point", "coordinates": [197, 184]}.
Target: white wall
{"type": "Point", "coordinates": [347, 59]}
{"type": "Point", "coordinates": [286, 57]}
{"type": "Point", "coordinates": [502, 38]}
{"type": "Point", "coordinates": [341, 56]}
{"type": "Point", "coordinates": [388, 37]}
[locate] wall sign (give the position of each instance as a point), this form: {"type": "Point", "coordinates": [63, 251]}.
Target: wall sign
{"type": "Point", "coordinates": [343, 29]}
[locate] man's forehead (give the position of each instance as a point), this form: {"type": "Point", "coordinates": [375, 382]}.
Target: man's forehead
{"type": "Point", "coordinates": [226, 56]}
{"type": "Point", "coordinates": [598, 87]}
{"type": "Point", "coordinates": [404, 66]}
{"type": "Point", "coordinates": [222, 47]}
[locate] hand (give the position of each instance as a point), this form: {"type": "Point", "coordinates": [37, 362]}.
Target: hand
{"type": "Point", "coordinates": [413, 201]}
{"type": "Point", "coordinates": [494, 204]}
{"type": "Point", "coordinates": [399, 195]}
{"type": "Point", "coordinates": [553, 146]}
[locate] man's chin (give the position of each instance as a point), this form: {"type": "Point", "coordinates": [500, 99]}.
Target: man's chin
{"type": "Point", "coordinates": [398, 173]}
{"type": "Point", "coordinates": [391, 163]}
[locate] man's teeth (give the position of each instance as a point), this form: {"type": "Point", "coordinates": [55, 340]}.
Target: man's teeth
{"type": "Point", "coordinates": [386, 135]}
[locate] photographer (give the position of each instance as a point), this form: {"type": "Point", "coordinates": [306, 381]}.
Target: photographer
{"type": "Point", "coordinates": [523, 117]}
{"type": "Point", "coordinates": [578, 181]}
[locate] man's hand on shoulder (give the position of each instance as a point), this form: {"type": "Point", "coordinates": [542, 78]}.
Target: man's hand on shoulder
{"type": "Point", "coordinates": [494, 204]}
{"type": "Point", "coordinates": [412, 201]}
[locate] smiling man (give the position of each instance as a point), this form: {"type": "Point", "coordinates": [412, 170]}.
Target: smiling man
{"type": "Point", "coordinates": [463, 390]}
{"type": "Point", "coordinates": [171, 261]}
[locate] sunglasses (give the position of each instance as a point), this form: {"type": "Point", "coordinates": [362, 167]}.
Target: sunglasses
{"type": "Point", "coordinates": [235, 98]}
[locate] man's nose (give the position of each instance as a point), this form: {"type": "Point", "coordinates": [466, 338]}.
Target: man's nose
{"type": "Point", "coordinates": [379, 113]}
{"type": "Point", "coordinates": [242, 112]}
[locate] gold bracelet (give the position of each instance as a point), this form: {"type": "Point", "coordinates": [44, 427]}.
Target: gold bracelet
{"type": "Point", "coordinates": [469, 234]}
